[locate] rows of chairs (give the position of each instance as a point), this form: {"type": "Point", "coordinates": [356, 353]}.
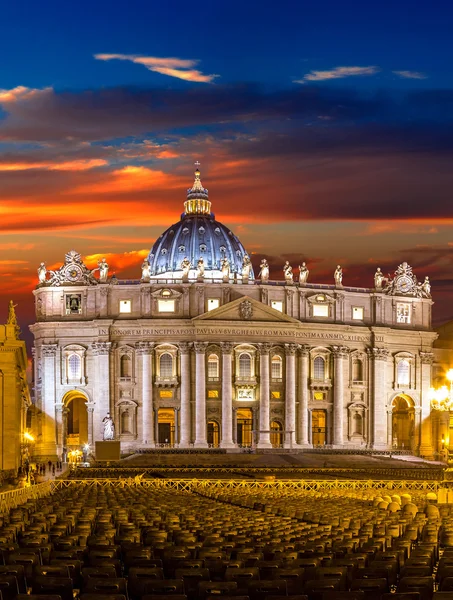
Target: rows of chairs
{"type": "Point", "coordinates": [140, 543]}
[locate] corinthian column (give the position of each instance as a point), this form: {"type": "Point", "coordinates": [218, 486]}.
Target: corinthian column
{"type": "Point", "coordinates": [184, 349]}
{"type": "Point", "coordinates": [426, 443]}
{"type": "Point", "coordinates": [200, 395]}
{"type": "Point", "coordinates": [290, 394]}
{"type": "Point", "coordinates": [379, 421]}
{"type": "Point", "coordinates": [48, 445]}
{"type": "Point", "coordinates": [145, 351]}
{"type": "Point", "coordinates": [264, 439]}
{"type": "Point", "coordinates": [339, 353]}
{"type": "Point", "coordinates": [304, 352]}
{"type": "Point", "coordinates": [101, 392]}
{"type": "Point", "coordinates": [227, 396]}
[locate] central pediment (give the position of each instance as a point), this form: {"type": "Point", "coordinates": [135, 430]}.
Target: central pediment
{"type": "Point", "coordinates": [246, 309]}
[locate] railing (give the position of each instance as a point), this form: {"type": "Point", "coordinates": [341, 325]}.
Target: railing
{"type": "Point", "coordinates": [13, 498]}
{"type": "Point", "coordinates": [194, 485]}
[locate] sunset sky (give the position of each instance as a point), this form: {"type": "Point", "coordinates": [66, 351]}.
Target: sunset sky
{"type": "Point", "coordinates": [324, 132]}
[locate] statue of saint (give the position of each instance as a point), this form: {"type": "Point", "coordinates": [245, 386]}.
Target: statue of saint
{"type": "Point", "coordinates": [426, 288]}
{"type": "Point", "coordinates": [338, 275]}
{"type": "Point", "coordinates": [303, 273]}
{"type": "Point", "coordinates": [12, 319]}
{"type": "Point", "coordinates": [109, 428]}
{"type": "Point", "coordinates": [42, 273]}
{"type": "Point", "coordinates": [103, 270]}
{"type": "Point", "coordinates": [246, 267]}
{"type": "Point", "coordinates": [379, 279]}
{"type": "Point", "coordinates": [200, 268]}
{"type": "Point", "coordinates": [185, 267]}
{"type": "Point", "coordinates": [288, 271]}
{"type": "Point", "coordinates": [264, 271]}
{"type": "Point", "coordinates": [225, 268]}
{"type": "Point", "coordinates": [146, 271]}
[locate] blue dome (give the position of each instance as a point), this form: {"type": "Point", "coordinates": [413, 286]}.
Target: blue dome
{"type": "Point", "coordinates": [197, 235]}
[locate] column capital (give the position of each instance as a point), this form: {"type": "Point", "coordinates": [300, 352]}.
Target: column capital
{"type": "Point", "coordinates": [291, 349]}
{"type": "Point", "coordinates": [378, 353]}
{"type": "Point", "coordinates": [304, 350]}
{"type": "Point", "coordinates": [49, 349]}
{"type": "Point", "coordinates": [144, 347]}
{"type": "Point", "coordinates": [185, 347]}
{"type": "Point", "coordinates": [101, 348]}
{"type": "Point", "coordinates": [264, 348]}
{"type": "Point", "coordinates": [90, 406]}
{"type": "Point", "coordinates": [340, 351]}
{"type": "Point", "coordinates": [200, 347]}
{"type": "Point", "coordinates": [426, 358]}
{"type": "Point", "coordinates": [227, 347]}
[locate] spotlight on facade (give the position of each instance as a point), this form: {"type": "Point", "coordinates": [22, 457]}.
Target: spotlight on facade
{"type": "Point", "coordinates": [28, 437]}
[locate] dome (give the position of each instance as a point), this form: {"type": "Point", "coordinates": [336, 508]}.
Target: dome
{"type": "Point", "coordinates": [197, 235]}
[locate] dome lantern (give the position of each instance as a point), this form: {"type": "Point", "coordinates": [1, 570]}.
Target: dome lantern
{"type": "Point", "coordinates": [197, 202]}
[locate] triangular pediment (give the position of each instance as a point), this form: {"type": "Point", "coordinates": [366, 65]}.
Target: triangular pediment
{"type": "Point", "coordinates": [246, 309]}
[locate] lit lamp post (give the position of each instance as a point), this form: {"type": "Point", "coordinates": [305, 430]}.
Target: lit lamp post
{"type": "Point", "coordinates": [442, 400]}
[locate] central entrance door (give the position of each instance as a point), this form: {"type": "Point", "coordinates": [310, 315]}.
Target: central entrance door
{"type": "Point", "coordinates": [318, 427]}
{"type": "Point", "coordinates": [166, 426]}
{"type": "Point", "coordinates": [213, 434]}
{"type": "Point", "coordinates": [244, 427]}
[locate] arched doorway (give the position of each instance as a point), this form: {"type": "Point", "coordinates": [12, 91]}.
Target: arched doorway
{"type": "Point", "coordinates": [75, 423]}
{"type": "Point", "coordinates": [403, 420]}
{"type": "Point", "coordinates": [244, 427]}
{"type": "Point", "coordinates": [276, 434]}
{"type": "Point", "coordinates": [318, 427]}
{"type": "Point", "coordinates": [213, 434]}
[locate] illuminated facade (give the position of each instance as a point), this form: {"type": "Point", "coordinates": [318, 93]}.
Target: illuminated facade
{"type": "Point", "coordinates": [199, 352]}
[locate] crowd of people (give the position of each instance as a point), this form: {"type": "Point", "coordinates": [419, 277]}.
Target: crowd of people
{"type": "Point", "coordinates": [32, 470]}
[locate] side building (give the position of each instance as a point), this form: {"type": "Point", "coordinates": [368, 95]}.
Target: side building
{"type": "Point", "coordinates": [14, 398]}
{"type": "Point", "coordinates": [199, 353]}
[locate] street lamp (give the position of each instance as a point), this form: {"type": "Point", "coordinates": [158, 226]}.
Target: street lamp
{"type": "Point", "coordinates": [442, 400]}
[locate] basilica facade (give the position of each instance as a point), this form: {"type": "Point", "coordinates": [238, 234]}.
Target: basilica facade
{"type": "Point", "coordinates": [202, 351]}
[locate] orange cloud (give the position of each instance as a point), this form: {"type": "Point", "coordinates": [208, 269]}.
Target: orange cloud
{"type": "Point", "coordinates": [20, 93]}
{"type": "Point", "coordinates": [71, 165]}
{"type": "Point", "coordinates": [128, 179]}
{"type": "Point", "coordinates": [173, 67]}
{"type": "Point", "coordinates": [117, 262]}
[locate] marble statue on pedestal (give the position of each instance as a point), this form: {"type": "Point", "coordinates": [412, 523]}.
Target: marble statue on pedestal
{"type": "Point", "coordinates": [185, 267]}
{"type": "Point", "coordinates": [146, 271]}
{"type": "Point", "coordinates": [264, 271]}
{"type": "Point", "coordinates": [225, 268]}
{"type": "Point", "coordinates": [303, 273]}
{"type": "Point", "coordinates": [200, 268]}
{"type": "Point", "coordinates": [338, 275]}
{"type": "Point", "coordinates": [42, 273]}
{"type": "Point", "coordinates": [103, 270]}
{"type": "Point", "coordinates": [246, 268]}
{"type": "Point", "coordinates": [109, 428]}
{"type": "Point", "coordinates": [288, 271]}
{"type": "Point", "coordinates": [379, 279]}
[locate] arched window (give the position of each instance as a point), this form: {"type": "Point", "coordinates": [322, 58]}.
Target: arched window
{"type": "Point", "coordinates": [319, 368]}
{"type": "Point", "coordinates": [245, 365]}
{"type": "Point", "coordinates": [74, 367]}
{"type": "Point", "coordinates": [276, 367]}
{"type": "Point", "coordinates": [213, 366]}
{"type": "Point", "coordinates": [357, 370]}
{"type": "Point", "coordinates": [126, 366]}
{"type": "Point", "coordinates": [166, 365]}
{"type": "Point", "coordinates": [403, 372]}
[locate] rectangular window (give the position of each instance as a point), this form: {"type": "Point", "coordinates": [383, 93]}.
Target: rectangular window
{"type": "Point", "coordinates": [319, 396]}
{"type": "Point", "coordinates": [276, 395]}
{"type": "Point", "coordinates": [357, 313]}
{"type": "Point", "coordinates": [166, 306]}
{"type": "Point", "coordinates": [320, 310]}
{"type": "Point", "coordinates": [166, 394]}
{"type": "Point", "coordinates": [213, 393]}
{"type": "Point", "coordinates": [73, 304]}
{"type": "Point", "coordinates": [125, 306]}
{"type": "Point", "coordinates": [277, 305]}
{"type": "Point", "coordinates": [213, 303]}
{"type": "Point", "coordinates": [403, 312]}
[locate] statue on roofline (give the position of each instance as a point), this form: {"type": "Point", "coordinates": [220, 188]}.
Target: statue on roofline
{"type": "Point", "coordinates": [288, 271]}
{"type": "Point", "coordinates": [264, 271]}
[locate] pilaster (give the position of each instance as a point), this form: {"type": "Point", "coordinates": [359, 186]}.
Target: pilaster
{"type": "Point", "coordinates": [227, 396]}
{"type": "Point", "coordinates": [304, 354]}
{"type": "Point", "coordinates": [264, 440]}
{"type": "Point", "coordinates": [426, 442]}
{"type": "Point", "coordinates": [145, 351]}
{"type": "Point", "coordinates": [290, 395]}
{"type": "Point", "coordinates": [200, 395]}
{"type": "Point", "coordinates": [184, 349]}
{"type": "Point", "coordinates": [379, 421]}
{"type": "Point", "coordinates": [101, 363]}
{"type": "Point", "coordinates": [339, 353]}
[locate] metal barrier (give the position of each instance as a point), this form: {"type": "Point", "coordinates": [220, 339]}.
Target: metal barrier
{"type": "Point", "coordinates": [244, 484]}
{"type": "Point", "coordinates": [14, 498]}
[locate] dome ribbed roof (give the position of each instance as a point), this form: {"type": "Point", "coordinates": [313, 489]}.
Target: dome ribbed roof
{"type": "Point", "coordinates": [197, 235]}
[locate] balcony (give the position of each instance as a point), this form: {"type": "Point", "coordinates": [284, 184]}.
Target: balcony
{"type": "Point", "coordinates": [245, 380]}
{"type": "Point", "coordinates": [171, 381]}
{"type": "Point", "coordinates": [320, 384]}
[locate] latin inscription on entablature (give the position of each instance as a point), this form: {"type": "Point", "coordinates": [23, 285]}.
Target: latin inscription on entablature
{"type": "Point", "coordinates": [239, 332]}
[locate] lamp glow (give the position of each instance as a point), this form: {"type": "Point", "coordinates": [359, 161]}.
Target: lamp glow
{"type": "Point", "coordinates": [29, 437]}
